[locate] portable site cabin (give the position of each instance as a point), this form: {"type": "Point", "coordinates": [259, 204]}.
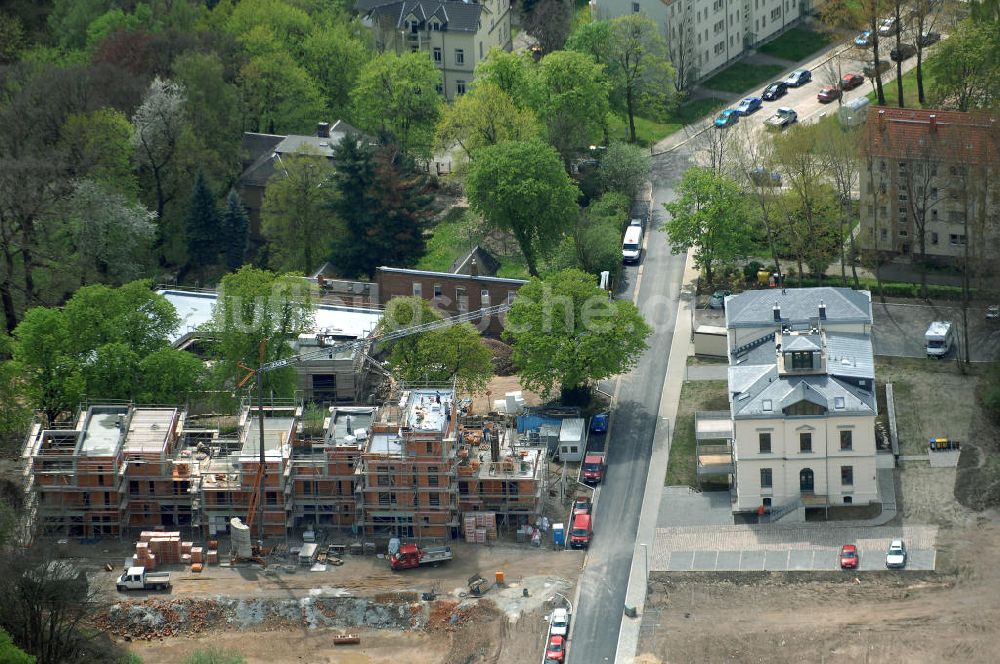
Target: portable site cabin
{"type": "Point", "coordinates": [572, 439]}
{"type": "Point", "coordinates": [854, 112]}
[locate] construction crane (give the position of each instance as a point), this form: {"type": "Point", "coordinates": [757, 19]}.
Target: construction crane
{"type": "Point", "coordinates": [256, 507]}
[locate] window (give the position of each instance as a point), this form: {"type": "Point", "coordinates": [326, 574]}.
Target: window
{"type": "Point", "coordinates": [133, 488]}
{"type": "Point", "coordinates": [776, 14]}
{"type": "Point", "coordinates": [272, 498]}
{"type": "Point", "coordinates": [764, 437]}
{"type": "Point", "coordinates": [417, 289]}
{"type": "Point", "coordinates": [383, 478]}
{"type": "Point", "coordinates": [480, 50]}
{"type": "Point", "coordinates": [635, 7]}
{"type": "Point", "coordinates": [438, 88]}
{"type": "Point", "coordinates": [846, 440]}
{"type": "Point", "coordinates": [766, 478]}
{"type": "Point", "coordinates": [435, 499]}
{"type": "Point", "coordinates": [839, 403]}
{"type": "Point", "coordinates": [510, 296]}
{"type": "Point", "coordinates": [432, 478]}
{"type": "Point", "coordinates": [152, 488]}
{"type": "Point", "coordinates": [460, 87]}
{"type": "Point", "coordinates": [802, 360]}
{"type": "Point", "coordinates": [459, 56]}
{"type": "Point", "coordinates": [463, 488]}
{"type": "Point", "coordinates": [437, 291]}
{"type": "Point", "coordinates": [766, 502]}
{"type": "Point", "coordinates": [437, 54]}
{"type": "Point", "coordinates": [767, 405]}
{"type": "Point", "coordinates": [884, 234]}
{"type": "Point", "coordinates": [847, 475]}
{"type": "Point", "coordinates": [956, 240]}
{"type": "Point", "coordinates": [462, 298]}
{"type": "Point", "coordinates": [903, 233]}
{"type": "Point", "coordinates": [848, 500]}
{"type": "Point", "coordinates": [720, 47]}
{"type": "Point", "coordinates": [307, 488]}
{"type": "Point", "coordinates": [934, 238]}
{"type": "Point", "coordinates": [805, 442]}
{"type": "Point", "coordinates": [430, 447]}
{"type": "Point", "coordinates": [384, 497]}
{"type": "Point", "coordinates": [484, 298]}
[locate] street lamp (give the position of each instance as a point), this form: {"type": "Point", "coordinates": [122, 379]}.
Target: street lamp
{"type": "Point", "coordinates": [645, 552]}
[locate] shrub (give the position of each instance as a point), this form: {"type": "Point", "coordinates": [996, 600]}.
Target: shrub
{"type": "Point", "coordinates": [503, 365]}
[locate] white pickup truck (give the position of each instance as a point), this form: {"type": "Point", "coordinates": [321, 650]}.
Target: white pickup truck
{"type": "Point", "coordinates": [137, 578]}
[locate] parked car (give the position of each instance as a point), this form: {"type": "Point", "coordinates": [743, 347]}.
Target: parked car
{"type": "Point", "coordinates": [559, 622]}
{"type": "Point", "coordinates": [599, 423]}
{"type": "Point", "coordinates": [762, 176]}
{"type": "Point", "coordinates": [718, 299]}
{"type": "Point", "coordinates": [748, 105]}
{"type": "Point", "coordinates": [864, 40]}
{"type": "Point", "coordinates": [828, 93]}
{"type": "Point", "coordinates": [783, 118]}
{"type": "Point", "coordinates": [848, 557]}
{"type": "Point", "coordinates": [895, 557]}
{"type": "Point", "coordinates": [888, 27]}
{"type": "Point", "coordinates": [798, 78]}
{"type": "Point", "coordinates": [581, 505]}
{"type": "Point", "coordinates": [851, 81]}
{"type": "Point", "coordinates": [927, 38]}
{"type": "Point", "coordinates": [556, 648]}
{"type": "Point", "coordinates": [904, 52]}
{"type": "Point", "coordinates": [869, 68]}
{"type": "Point", "coordinates": [774, 91]}
{"type": "Point", "coordinates": [993, 312]}
{"type": "Point", "coordinates": [581, 531]}
{"type": "Point", "coordinates": [727, 118]}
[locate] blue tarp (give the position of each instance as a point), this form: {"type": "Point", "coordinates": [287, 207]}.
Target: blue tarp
{"type": "Point", "coordinates": [533, 422]}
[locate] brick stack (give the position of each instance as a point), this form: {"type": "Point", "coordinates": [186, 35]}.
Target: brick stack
{"type": "Point", "coordinates": [143, 557]}
{"type": "Point", "coordinates": [480, 527]}
{"type": "Point", "coordinates": [212, 557]}
{"type": "Point", "coordinates": [157, 548]}
{"type": "Point", "coordinates": [469, 526]}
{"type": "Point", "coordinates": [197, 554]}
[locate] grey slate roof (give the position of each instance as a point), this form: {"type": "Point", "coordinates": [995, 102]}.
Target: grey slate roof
{"type": "Point", "coordinates": [800, 342]}
{"type": "Point", "coordinates": [798, 306]}
{"type": "Point", "coordinates": [267, 146]}
{"type": "Point", "coordinates": [750, 387]}
{"type": "Point", "coordinates": [454, 15]}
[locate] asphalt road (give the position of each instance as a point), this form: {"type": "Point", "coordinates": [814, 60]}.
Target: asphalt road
{"type": "Point", "coordinates": [616, 517]}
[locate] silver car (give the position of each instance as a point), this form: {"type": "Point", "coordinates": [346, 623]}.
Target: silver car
{"type": "Point", "coordinates": [895, 557]}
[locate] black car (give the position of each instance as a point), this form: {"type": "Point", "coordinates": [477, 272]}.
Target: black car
{"type": "Point", "coordinates": [929, 38]}
{"type": "Point", "coordinates": [904, 52]}
{"type": "Point", "coordinates": [774, 91]}
{"type": "Point", "coordinates": [869, 68]}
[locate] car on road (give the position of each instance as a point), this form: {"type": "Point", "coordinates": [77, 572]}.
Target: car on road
{"type": "Point", "coordinates": [927, 38]}
{"type": "Point", "coordinates": [828, 93]}
{"type": "Point", "coordinates": [718, 299]}
{"type": "Point", "coordinates": [903, 52]}
{"type": "Point", "coordinates": [727, 118]}
{"type": "Point", "coordinates": [798, 78]}
{"type": "Point", "coordinates": [748, 105]}
{"type": "Point", "coordinates": [774, 91]}
{"type": "Point", "coordinates": [581, 505]}
{"type": "Point", "coordinates": [848, 557]}
{"type": "Point", "coordinates": [765, 178]}
{"type": "Point", "coordinates": [864, 40]}
{"type": "Point", "coordinates": [599, 423]}
{"type": "Point", "coordinates": [895, 557]}
{"type": "Point", "coordinates": [851, 81]}
{"type": "Point", "coordinates": [559, 622]}
{"type": "Point", "coordinates": [784, 117]}
{"type": "Point", "coordinates": [888, 27]}
{"type": "Point", "coordinates": [556, 648]}
{"type": "Point", "coordinates": [869, 68]}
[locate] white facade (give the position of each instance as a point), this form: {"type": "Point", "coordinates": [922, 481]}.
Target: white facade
{"type": "Point", "coordinates": [705, 35]}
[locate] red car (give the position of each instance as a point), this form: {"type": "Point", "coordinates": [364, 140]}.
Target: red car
{"type": "Point", "coordinates": [851, 81]}
{"type": "Point", "coordinates": [581, 505]}
{"type": "Point", "coordinates": [828, 94]}
{"type": "Point", "coordinates": [556, 650]}
{"type": "Point", "coordinates": [848, 557]}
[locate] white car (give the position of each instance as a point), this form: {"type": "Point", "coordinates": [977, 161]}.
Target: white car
{"type": "Point", "coordinates": [888, 27]}
{"type": "Point", "coordinates": [559, 622]}
{"type": "Point", "coordinates": [783, 118]}
{"type": "Point", "coordinates": [895, 557]}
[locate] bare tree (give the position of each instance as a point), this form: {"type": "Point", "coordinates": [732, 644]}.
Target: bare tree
{"type": "Point", "coordinates": [922, 185]}
{"type": "Point", "coordinates": [681, 47]}
{"type": "Point", "coordinates": [926, 15]}
{"type": "Point", "coordinates": [837, 147]}
{"type": "Point", "coordinates": [898, 14]}
{"type": "Point", "coordinates": [158, 123]}
{"type": "Point", "coordinates": [872, 255]}
{"type": "Point", "coordinates": [870, 14]}
{"type": "Point", "coordinates": [548, 21]}
{"type": "Point", "coordinates": [753, 168]}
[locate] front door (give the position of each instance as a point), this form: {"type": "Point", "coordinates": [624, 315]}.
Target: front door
{"type": "Point", "coordinates": [806, 481]}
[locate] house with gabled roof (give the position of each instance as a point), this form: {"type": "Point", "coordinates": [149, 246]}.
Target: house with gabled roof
{"type": "Point", "coordinates": [456, 35]}
{"type": "Point", "coordinates": [801, 387]}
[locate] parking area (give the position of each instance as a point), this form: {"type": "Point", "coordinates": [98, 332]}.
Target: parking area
{"type": "Point", "coordinates": [804, 547]}
{"type": "Point", "coordinates": [682, 506]}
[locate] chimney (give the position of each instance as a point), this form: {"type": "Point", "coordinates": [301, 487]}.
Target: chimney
{"type": "Point", "coordinates": [881, 120]}
{"type": "Point", "coordinates": [323, 129]}
{"type": "Point", "coordinates": [933, 123]}
{"type": "Point", "coordinates": [473, 268]}
{"type": "Point", "coordinates": [777, 313]}
{"type": "Point", "coordinates": [822, 310]}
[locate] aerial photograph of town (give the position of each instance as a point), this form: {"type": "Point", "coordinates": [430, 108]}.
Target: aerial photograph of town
{"type": "Point", "coordinates": [493, 332]}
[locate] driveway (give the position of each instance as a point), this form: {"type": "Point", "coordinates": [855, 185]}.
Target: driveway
{"type": "Point", "coordinates": [899, 330]}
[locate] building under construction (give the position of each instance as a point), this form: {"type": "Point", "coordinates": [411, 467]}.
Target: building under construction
{"type": "Point", "coordinates": [409, 468]}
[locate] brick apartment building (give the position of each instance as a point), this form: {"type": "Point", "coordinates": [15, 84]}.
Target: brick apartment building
{"type": "Point", "coordinates": [408, 468]}
{"type": "Point", "coordinates": [929, 185]}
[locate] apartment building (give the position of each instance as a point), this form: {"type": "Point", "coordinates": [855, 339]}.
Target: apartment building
{"type": "Point", "coordinates": [706, 35]}
{"type": "Point", "coordinates": [802, 398]}
{"type": "Point", "coordinates": [408, 468]}
{"type": "Point", "coordinates": [456, 35]}
{"type": "Point", "coordinates": [928, 186]}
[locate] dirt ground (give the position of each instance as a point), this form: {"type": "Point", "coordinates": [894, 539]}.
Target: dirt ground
{"type": "Point", "coordinates": [497, 388]}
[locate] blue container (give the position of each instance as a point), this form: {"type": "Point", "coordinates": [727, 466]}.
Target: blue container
{"type": "Point", "coordinates": [558, 534]}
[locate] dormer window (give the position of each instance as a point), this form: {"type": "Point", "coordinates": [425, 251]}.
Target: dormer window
{"type": "Point", "coordinates": [839, 403]}
{"type": "Point", "coordinates": [802, 360]}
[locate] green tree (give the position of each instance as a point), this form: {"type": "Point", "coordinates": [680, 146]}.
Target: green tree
{"type": "Point", "coordinates": [593, 38]}
{"type": "Point", "coordinates": [334, 54]}
{"type": "Point", "coordinates": [485, 116]}
{"type": "Point", "coordinates": [455, 353]}
{"type": "Point", "coordinates": [598, 234]}
{"type": "Point", "coordinates": [214, 656]}
{"type": "Point", "coordinates": [521, 188]}
{"type": "Point", "coordinates": [158, 124]}
{"type": "Point", "coordinates": [99, 147]}
{"type": "Point", "coordinates": [625, 168]}
{"type": "Point", "coordinates": [52, 377]}
{"type": "Point", "coordinates": [574, 102]}
{"type": "Point", "coordinates": [396, 95]}
{"type": "Point", "coordinates": [15, 411]}
{"type": "Point", "coordinates": [167, 375]}
{"type": "Point", "coordinates": [639, 67]}
{"type": "Point", "coordinates": [235, 231]}
{"type": "Point", "coordinates": [202, 226]}
{"type": "Point", "coordinates": [279, 96]}
{"type": "Point", "coordinates": [12, 39]}
{"type": "Point", "coordinates": [710, 215]}
{"type": "Point", "coordinates": [289, 23]}
{"type": "Point", "coordinates": [70, 19]}
{"type": "Point", "coordinates": [297, 220]}
{"type": "Point", "coordinates": [10, 653]}
{"type": "Point", "coordinates": [966, 70]}
{"type": "Point", "coordinates": [260, 310]}
{"type": "Point", "coordinates": [566, 332]}
{"type": "Point", "coordinates": [514, 73]}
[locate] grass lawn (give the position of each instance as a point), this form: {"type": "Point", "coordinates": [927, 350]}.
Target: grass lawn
{"type": "Point", "coordinates": [909, 88]}
{"type": "Point", "coordinates": [796, 44]}
{"type": "Point", "coordinates": [449, 241]}
{"type": "Point", "coordinates": [649, 132]}
{"type": "Point", "coordinates": [513, 267]}
{"type": "Point", "coordinates": [695, 395]}
{"type": "Point", "coordinates": [739, 77]}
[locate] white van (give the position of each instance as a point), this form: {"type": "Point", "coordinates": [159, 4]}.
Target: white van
{"type": "Point", "coordinates": [632, 245]}
{"type": "Point", "coordinates": [939, 339]}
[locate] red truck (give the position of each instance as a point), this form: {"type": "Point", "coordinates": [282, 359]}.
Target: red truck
{"type": "Point", "coordinates": [410, 556]}
{"type": "Point", "coordinates": [593, 468]}
{"type": "Point", "coordinates": [581, 532]}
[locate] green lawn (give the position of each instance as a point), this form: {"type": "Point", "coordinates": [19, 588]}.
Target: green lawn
{"type": "Point", "coordinates": [797, 44]}
{"type": "Point", "coordinates": [695, 396]}
{"type": "Point", "coordinates": [909, 88]}
{"type": "Point", "coordinates": [649, 132]}
{"type": "Point", "coordinates": [739, 77]}
{"type": "Point", "coordinates": [513, 267]}
{"type": "Point", "coordinates": [450, 240]}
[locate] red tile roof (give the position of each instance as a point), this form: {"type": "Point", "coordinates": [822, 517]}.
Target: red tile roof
{"type": "Point", "coordinates": [950, 136]}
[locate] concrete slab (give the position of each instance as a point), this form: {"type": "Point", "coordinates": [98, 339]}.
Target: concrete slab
{"type": "Point", "coordinates": [681, 561]}
{"type": "Point", "coordinates": [801, 560]}
{"type": "Point", "coordinates": [682, 507]}
{"type": "Point", "coordinates": [751, 561]}
{"type": "Point", "coordinates": [705, 561]}
{"type": "Point", "coordinates": [728, 560]}
{"type": "Point", "coordinates": [922, 559]}
{"type": "Point", "coordinates": [825, 560]}
{"type": "Point", "coordinates": [776, 560]}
